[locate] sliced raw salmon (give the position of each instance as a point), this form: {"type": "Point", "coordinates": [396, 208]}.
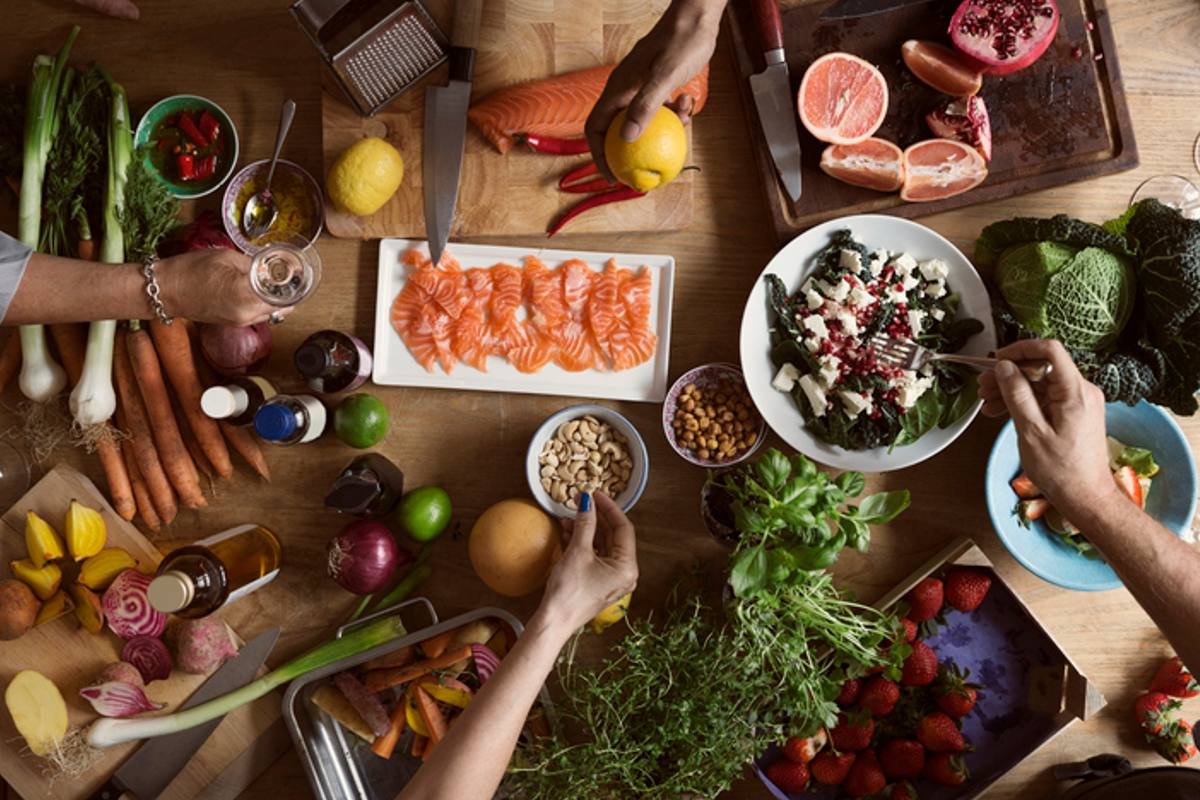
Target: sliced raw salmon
{"type": "Point", "coordinates": [842, 99]}
{"type": "Point", "coordinates": [533, 356]}
{"type": "Point", "coordinates": [872, 163]}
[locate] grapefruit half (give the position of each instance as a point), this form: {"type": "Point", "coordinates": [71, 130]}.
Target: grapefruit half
{"type": "Point", "coordinates": [842, 99]}
{"type": "Point", "coordinates": [872, 163]}
{"type": "Point", "coordinates": [939, 168]}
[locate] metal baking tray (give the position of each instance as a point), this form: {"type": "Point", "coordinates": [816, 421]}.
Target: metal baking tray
{"type": "Point", "coordinates": [339, 765]}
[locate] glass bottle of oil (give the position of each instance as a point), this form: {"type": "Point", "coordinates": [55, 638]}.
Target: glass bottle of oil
{"type": "Point", "coordinates": [196, 580]}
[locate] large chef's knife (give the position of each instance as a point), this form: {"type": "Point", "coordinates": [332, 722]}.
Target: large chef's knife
{"type": "Point", "coordinates": [151, 769]}
{"type": "Point", "coordinates": [850, 9]}
{"type": "Point", "coordinates": [772, 90]}
{"type": "Point", "coordinates": [446, 127]}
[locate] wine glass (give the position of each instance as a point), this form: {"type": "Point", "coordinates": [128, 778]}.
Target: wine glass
{"type": "Point", "coordinates": [15, 475]}
{"type": "Point", "coordinates": [1175, 191]}
{"type": "Point", "coordinates": [285, 272]}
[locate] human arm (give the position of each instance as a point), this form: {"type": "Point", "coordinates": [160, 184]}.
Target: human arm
{"type": "Point", "coordinates": [1061, 435]}
{"type": "Point", "coordinates": [675, 49]}
{"type": "Point", "coordinates": [598, 567]}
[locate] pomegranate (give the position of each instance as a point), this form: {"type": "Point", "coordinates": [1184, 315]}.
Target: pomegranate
{"type": "Point", "coordinates": [965, 119]}
{"type": "Point", "coordinates": [941, 68]}
{"type": "Point", "coordinates": [1004, 36]}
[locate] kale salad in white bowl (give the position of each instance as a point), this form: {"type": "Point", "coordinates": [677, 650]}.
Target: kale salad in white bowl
{"type": "Point", "coordinates": [807, 328]}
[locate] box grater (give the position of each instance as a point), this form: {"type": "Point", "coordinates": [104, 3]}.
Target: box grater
{"type": "Point", "coordinates": [376, 49]}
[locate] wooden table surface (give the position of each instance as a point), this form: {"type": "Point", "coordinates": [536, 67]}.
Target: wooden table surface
{"type": "Point", "coordinates": [248, 55]}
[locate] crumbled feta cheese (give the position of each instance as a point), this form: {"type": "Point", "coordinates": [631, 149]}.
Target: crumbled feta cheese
{"type": "Point", "coordinates": [938, 314]}
{"type": "Point", "coordinates": [860, 297]}
{"type": "Point", "coordinates": [878, 259]}
{"type": "Point", "coordinates": [812, 345]}
{"type": "Point", "coordinates": [855, 403]}
{"type": "Point", "coordinates": [936, 289]}
{"type": "Point", "coordinates": [848, 321]}
{"type": "Point", "coordinates": [814, 323]}
{"type": "Point", "coordinates": [807, 286]}
{"type": "Point", "coordinates": [850, 259]}
{"type": "Point", "coordinates": [910, 282]}
{"type": "Point", "coordinates": [910, 389]}
{"type": "Point", "coordinates": [815, 395]}
{"type": "Point", "coordinates": [904, 264]}
{"type": "Point", "coordinates": [785, 379]}
{"type": "Point", "coordinates": [823, 287]}
{"type": "Point", "coordinates": [814, 300]}
{"type": "Point", "coordinates": [916, 318]}
{"type": "Point", "coordinates": [897, 295]}
{"type": "Point", "coordinates": [831, 369]}
{"type": "Point", "coordinates": [839, 291]}
{"type": "Point", "coordinates": [934, 269]}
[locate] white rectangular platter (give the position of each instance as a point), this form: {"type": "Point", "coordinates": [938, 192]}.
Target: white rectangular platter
{"type": "Point", "coordinates": [395, 365]}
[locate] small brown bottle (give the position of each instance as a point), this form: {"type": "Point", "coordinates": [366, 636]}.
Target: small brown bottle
{"type": "Point", "coordinates": [196, 580]}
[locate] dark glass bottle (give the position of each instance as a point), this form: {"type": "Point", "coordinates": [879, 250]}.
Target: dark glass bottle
{"type": "Point", "coordinates": [290, 419]}
{"type": "Point", "coordinates": [369, 486]}
{"type": "Point", "coordinates": [237, 401]}
{"type": "Point", "coordinates": [196, 580]}
{"type": "Point", "coordinates": [332, 361]}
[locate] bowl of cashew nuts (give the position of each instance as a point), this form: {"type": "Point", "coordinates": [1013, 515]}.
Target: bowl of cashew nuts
{"type": "Point", "coordinates": [586, 448]}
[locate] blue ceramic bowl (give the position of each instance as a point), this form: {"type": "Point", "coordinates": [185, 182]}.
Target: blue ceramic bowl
{"type": "Point", "coordinates": [1172, 498]}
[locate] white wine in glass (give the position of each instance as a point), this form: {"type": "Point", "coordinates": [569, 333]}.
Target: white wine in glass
{"type": "Point", "coordinates": [284, 273]}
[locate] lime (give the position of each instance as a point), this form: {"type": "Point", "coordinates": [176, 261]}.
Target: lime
{"type": "Point", "coordinates": [423, 513]}
{"type": "Point", "coordinates": [360, 420]}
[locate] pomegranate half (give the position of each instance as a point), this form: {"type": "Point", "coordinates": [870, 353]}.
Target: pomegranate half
{"type": "Point", "coordinates": [1004, 36]}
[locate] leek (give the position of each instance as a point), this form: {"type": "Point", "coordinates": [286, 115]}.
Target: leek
{"type": "Point", "coordinates": [41, 378]}
{"type": "Point", "coordinates": [108, 732]}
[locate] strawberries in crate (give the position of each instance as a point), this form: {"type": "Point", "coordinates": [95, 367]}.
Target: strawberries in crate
{"type": "Point", "coordinates": [921, 666]}
{"type": "Point", "coordinates": [866, 776]}
{"type": "Point", "coordinates": [831, 768]}
{"type": "Point", "coordinates": [903, 790]}
{"type": "Point", "coordinates": [939, 733]}
{"type": "Point", "coordinates": [925, 600]}
{"type": "Point", "coordinates": [879, 696]}
{"type": "Point", "coordinates": [902, 758]}
{"type": "Point", "coordinates": [803, 749]}
{"type": "Point", "coordinates": [850, 691]}
{"type": "Point", "coordinates": [954, 694]}
{"type": "Point", "coordinates": [965, 588]}
{"type": "Point", "coordinates": [946, 769]}
{"type": "Point", "coordinates": [853, 731]}
{"type": "Point", "coordinates": [789, 776]}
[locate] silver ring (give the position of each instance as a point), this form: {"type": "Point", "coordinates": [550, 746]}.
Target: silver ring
{"type": "Point", "coordinates": [275, 319]}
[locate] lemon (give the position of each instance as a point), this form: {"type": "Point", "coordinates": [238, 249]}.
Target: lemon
{"type": "Point", "coordinates": [653, 159]}
{"type": "Point", "coordinates": [365, 176]}
{"type": "Point", "coordinates": [611, 615]}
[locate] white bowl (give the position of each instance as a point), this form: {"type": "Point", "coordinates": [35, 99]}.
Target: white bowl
{"type": "Point", "coordinates": [637, 446]}
{"type": "Point", "coordinates": [792, 264]}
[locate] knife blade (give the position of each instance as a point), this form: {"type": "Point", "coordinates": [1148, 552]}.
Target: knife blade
{"type": "Point", "coordinates": [850, 9]}
{"type": "Point", "coordinates": [772, 91]}
{"type": "Point", "coordinates": [151, 769]}
{"type": "Point", "coordinates": [446, 128]}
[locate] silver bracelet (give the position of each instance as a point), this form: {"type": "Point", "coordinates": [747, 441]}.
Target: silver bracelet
{"type": "Point", "coordinates": [149, 265]}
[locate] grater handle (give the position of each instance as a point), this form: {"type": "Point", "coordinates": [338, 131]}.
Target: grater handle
{"type": "Point", "coordinates": [468, 19]}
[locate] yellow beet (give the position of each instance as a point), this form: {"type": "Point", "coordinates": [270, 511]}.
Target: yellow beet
{"type": "Point", "coordinates": [513, 546]}
{"type": "Point", "coordinates": [41, 540]}
{"type": "Point", "coordinates": [86, 531]}
{"type": "Point", "coordinates": [44, 581]}
{"type": "Point", "coordinates": [87, 608]}
{"type": "Point", "coordinates": [53, 608]}
{"type": "Point", "coordinates": [37, 710]}
{"type": "Point", "coordinates": [103, 568]}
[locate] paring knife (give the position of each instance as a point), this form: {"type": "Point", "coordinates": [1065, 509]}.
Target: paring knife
{"type": "Point", "coordinates": [772, 90]}
{"type": "Point", "coordinates": [446, 127]}
{"type": "Point", "coordinates": [151, 769]}
{"type": "Point", "coordinates": [849, 9]}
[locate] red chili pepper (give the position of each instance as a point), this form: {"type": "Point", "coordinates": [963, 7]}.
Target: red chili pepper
{"type": "Point", "coordinates": [205, 167]}
{"type": "Point", "coordinates": [209, 126]}
{"type": "Point", "coordinates": [554, 146]}
{"type": "Point", "coordinates": [187, 167]}
{"type": "Point", "coordinates": [618, 195]}
{"type": "Point", "coordinates": [188, 126]}
{"type": "Point", "coordinates": [587, 187]}
{"type": "Point", "coordinates": [577, 174]}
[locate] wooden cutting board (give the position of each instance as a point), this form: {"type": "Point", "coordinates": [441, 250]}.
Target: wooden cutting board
{"type": "Point", "coordinates": [1061, 120]}
{"type": "Point", "coordinates": [243, 745]}
{"type": "Point", "coordinates": [517, 193]}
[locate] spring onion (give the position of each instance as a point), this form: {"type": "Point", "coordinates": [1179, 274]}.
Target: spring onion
{"type": "Point", "coordinates": [41, 378]}
{"type": "Point", "coordinates": [108, 732]}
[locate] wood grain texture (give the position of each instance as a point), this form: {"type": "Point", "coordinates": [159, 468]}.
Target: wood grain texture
{"type": "Point", "coordinates": [516, 193]}
{"type": "Point", "coordinates": [444, 437]}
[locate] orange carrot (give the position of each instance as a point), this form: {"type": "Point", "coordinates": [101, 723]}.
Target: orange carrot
{"type": "Point", "coordinates": [10, 358]}
{"type": "Point", "coordinates": [418, 746]}
{"type": "Point", "coordinates": [140, 493]}
{"type": "Point", "coordinates": [431, 715]}
{"type": "Point", "coordinates": [243, 442]}
{"type": "Point", "coordinates": [436, 645]}
{"type": "Point", "coordinates": [175, 351]}
{"type": "Point", "coordinates": [381, 679]}
{"type": "Point", "coordinates": [71, 342]}
{"type": "Point", "coordinates": [383, 746]}
{"type": "Point", "coordinates": [86, 249]}
{"type": "Point", "coordinates": [135, 423]}
{"type": "Point", "coordinates": [397, 658]}
{"type": "Point", "coordinates": [175, 459]}
{"type": "Point", "coordinates": [198, 457]}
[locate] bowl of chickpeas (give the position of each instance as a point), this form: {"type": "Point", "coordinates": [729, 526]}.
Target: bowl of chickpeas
{"type": "Point", "coordinates": [709, 418]}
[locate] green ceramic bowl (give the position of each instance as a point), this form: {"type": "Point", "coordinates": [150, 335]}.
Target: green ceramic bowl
{"type": "Point", "coordinates": [186, 190]}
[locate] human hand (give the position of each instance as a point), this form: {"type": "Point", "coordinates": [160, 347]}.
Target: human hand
{"type": "Point", "coordinates": [212, 285]}
{"type": "Point", "coordinates": [1059, 422]}
{"type": "Point", "coordinates": [598, 567]}
{"type": "Point", "coordinates": [671, 54]}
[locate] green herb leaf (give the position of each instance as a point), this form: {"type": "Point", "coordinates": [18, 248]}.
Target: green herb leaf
{"type": "Point", "coordinates": [878, 509]}
{"type": "Point", "coordinates": [857, 533]}
{"type": "Point", "coordinates": [1141, 459]}
{"type": "Point", "coordinates": [773, 470]}
{"type": "Point", "coordinates": [852, 483]}
{"type": "Point", "coordinates": [921, 417]}
{"type": "Point", "coordinates": [962, 403]}
{"type": "Point", "coordinates": [748, 572]}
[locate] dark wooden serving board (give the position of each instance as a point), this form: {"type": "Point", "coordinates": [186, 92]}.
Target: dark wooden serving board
{"type": "Point", "coordinates": [1064, 119]}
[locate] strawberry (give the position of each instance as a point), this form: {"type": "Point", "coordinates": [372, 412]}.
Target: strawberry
{"type": "Point", "coordinates": [853, 731]}
{"type": "Point", "coordinates": [966, 588]}
{"type": "Point", "coordinates": [1029, 510]}
{"type": "Point", "coordinates": [865, 776]}
{"type": "Point", "coordinates": [1024, 487]}
{"type": "Point", "coordinates": [1175, 743]}
{"type": "Point", "coordinates": [1152, 711]}
{"type": "Point", "coordinates": [910, 629]}
{"type": "Point", "coordinates": [946, 769]}
{"type": "Point", "coordinates": [954, 695]}
{"type": "Point", "coordinates": [902, 791]}
{"type": "Point", "coordinates": [790, 777]}
{"type": "Point", "coordinates": [879, 696]}
{"type": "Point", "coordinates": [1127, 479]}
{"type": "Point", "coordinates": [921, 666]}
{"type": "Point", "coordinates": [1174, 679]}
{"type": "Point", "coordinates": [849, 693]}
{"type": "Point", "coordinates": [831, 768]}
{"type": "Point", "coordinates": [902, 758]}
{"type": "Point", "coordinates": [924, 600]}
{"type": "Point", "coordinates": [939, 733]}
{"type": "Point", "coordinates": [804, 749]}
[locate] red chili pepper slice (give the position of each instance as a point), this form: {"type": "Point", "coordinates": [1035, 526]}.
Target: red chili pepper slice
{"type": "Point", "coordinates": [596, 184]}
{"type": "Point", "coordinates": [188, 126]}
{"type": "Point", "coordinates": [209, 127]}
{"type": "Point", "coordinates": [551, 145]}
{"type": "Point", "coordinates": [187, 167]}
{"type": "Point", "coordinates": [618, 195]}
{"type": "Point", "coordinates": [205, 167]}
{"type": "Point", "coordinates": [577, 174]}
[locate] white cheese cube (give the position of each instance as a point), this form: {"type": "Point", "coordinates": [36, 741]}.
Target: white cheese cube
{"type": "Point", "coordinates": [830, 371]}
{"type": "Point", "coordinates": [812, 345]}
{"type": "Point", "coordinates": [823, 287]}
{"type": "Point", "coordinates": [851, 260]}
{"type": "Point", "coordinates": [938, 314]}
{"type": "Point", "coordinates": [934, 269]}
{"type": "Point", "coordinates": [814, 300]}
{"type": "Point", "coordinates": [860, 297]}
{"type": "Point", "coordinates": [848, 321]}
{"type": "Point", "coordinates": [816, 324]}
{"type": "Point", "coordinates": [916, 318]}
{"type": "Point", "coordinates": [911, 390]}
{"type": "Point", "coordinates": [785, 379]}
{"type": "Point", "coordinates": [910, 282]}
{"type": "Point", "coordinates": [904, 264]}
{"type": "Point", "coordinates": [839, 291]}
{"type": "Point", "coordinates": [855, 403]}
{"type": "Point", "coordinates": [897, 295]}
{"type": "Point", "coordinates": [878, 260]}
{"type": "Point", "coordinates": [815, 395]}
{"type": "Point", "coordinates": [807, 286]}
{"type": "Point", "coordinates": [936, 289]}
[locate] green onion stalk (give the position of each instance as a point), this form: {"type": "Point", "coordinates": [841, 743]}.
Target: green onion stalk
{"type": "Point", "coordinates": [108, 732]}
{"type": "Point", "coordinates": [41, 378]}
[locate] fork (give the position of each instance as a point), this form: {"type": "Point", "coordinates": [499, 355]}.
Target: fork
{"type": "Point", "coordinates": [907, 354]}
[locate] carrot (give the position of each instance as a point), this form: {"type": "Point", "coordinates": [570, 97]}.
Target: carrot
{"type": "Point", "coordinates": [175, 351]}
{"type": "Point", "coordinates": [140, 494]}
{"type": "Point", "coordinates": [175, 459]}
{"type": "Point", "coordinates": [436, 645]}
{"type": "Point", "coordinates": [382, 679]}
{"type": "Point", "coordinates": [398, 658]}
{"type": "Point", "coordinates": [420, 743]}
{"type": "Point", "coordinates": [243, 442]}
{"type": "Point", "coordinates": [10, 358]}
{"type": "Point", "coordinates": [198, 457]}
{"type": "Point", "coordinates": [86, 249]}
{"type": "Point", "coordinates": [431, 715]}
{"type": "Point", "coordinates": [134, 415]}
{"type": "Point", "coordinates": [71, 343]}
{"type": "Point", "coordinates": [383, 746]}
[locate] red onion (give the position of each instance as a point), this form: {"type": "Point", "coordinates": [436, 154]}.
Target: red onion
{"type": "Point", "coordinates": [118, 699]}
{"type": "Point", "coordinates": [231, 350]}
{"type": "Point", "coordinates": [486, 662]}
{"type": "Point", "coordinates": [150, 656]}
{"type": "Point", "coordinates": [364, 555]}
{"type": "Point", "coordinates": [204, 233]}
{"type": "Point", "coordinates": [127, 607]}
